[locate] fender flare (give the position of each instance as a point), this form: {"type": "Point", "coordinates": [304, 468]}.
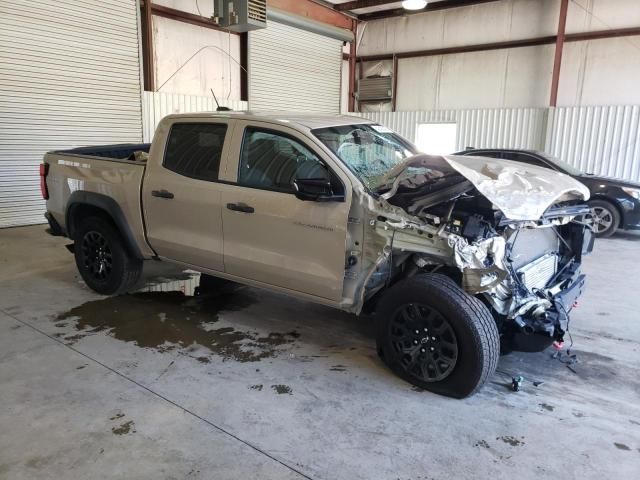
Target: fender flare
{"type": "Point", "coordinates": [111, 208]}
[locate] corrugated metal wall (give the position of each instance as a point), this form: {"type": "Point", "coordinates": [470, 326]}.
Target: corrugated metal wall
{"type": "Point", "coordinates": [601, 140]}
{"type": "Point", "coordinates": [604, 140]}
{"type": "Point", "coordinates": [69, 76]}
{"type": "Point", "coordinates": [156, 105]}
{"type": "Point", "coordinates": [496, 127]}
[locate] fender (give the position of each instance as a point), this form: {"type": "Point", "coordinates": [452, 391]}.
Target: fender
{"type": "Point", "coordinates": [111, 208]}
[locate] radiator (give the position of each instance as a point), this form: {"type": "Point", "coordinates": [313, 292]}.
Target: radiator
{"type": "Point", "coordinates": [536, 275]}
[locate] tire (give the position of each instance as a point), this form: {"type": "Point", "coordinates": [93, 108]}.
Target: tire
{"type": "Point", "coordinates": [102, 259]}
{"type": "Point", "coordinates": [466, 346]}
{"type": "Point", "coordinates": [606, 218]}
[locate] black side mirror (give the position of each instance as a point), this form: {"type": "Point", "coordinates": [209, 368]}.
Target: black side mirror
{"type": "Point", "coordinates": [315, 190]}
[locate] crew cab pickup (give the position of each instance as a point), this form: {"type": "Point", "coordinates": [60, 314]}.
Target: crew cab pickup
{"type": "Point", "coordinates": [457, 256]}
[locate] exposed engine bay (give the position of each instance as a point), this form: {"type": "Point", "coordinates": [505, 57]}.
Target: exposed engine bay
{"type": "Point", "coordinates": [510, 235]}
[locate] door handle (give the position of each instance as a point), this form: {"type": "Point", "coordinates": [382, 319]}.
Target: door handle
{"type": "Point", "coordinates": [162, 194]}
{"type": "Point", "coordinates": [240, 207]}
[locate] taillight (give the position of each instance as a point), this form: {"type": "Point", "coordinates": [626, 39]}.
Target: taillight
{"type": "Point", "coordinates": [44, 171]}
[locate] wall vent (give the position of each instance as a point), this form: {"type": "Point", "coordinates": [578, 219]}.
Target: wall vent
{"type": "Point", "coordinates": [375, 89]}
{"type": "Point", "coordinates": [241, 15]}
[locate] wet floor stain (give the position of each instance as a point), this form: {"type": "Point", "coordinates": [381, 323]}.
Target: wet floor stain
{"type": "Point", "coordinates": [585, 367]}
{"type": "Point", "coordinates": [622, 446]}
{"type": "Point", "coordinates": [282, 389]}
{"type": "Point", "coordinates": [513, 441]}
{"type": "Point", "coordinates": [547, 407]}
{"type": "Point", "coordinates": [256, 387]}
{"type": "Point", "coordinates": [165, 321]}
{"type": "Point", "coordinates": [125, 428]}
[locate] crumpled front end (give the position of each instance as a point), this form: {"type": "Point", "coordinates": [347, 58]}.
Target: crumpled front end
{"type": "Point", "coordinates": [519, 252]}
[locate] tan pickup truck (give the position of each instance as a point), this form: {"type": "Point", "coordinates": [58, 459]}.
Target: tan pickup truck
{"type": "Point", "coordinates": [459, 257]}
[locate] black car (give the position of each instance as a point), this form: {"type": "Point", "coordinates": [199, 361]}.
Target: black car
{"type": "Point", "coordinates": [615, 203]}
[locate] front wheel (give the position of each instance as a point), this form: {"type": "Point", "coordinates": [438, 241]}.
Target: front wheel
{"type": "Point", "coordinates": [437, 337]}
{"type": "Point", "coordinates": [102, 259]}
{"type": "Point", "coordinates": [606, 218]}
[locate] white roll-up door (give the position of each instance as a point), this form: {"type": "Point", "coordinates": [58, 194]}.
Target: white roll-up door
{"type": "Point", "coordinates": [69, 76]}
{"type": "Point", "coordinates": [293, 70]}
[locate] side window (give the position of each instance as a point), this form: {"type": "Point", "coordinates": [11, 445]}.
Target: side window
{"type": "Point", "coordinates": [524, 158]}
{"type": "Point", "coordinates": [194, 150]}
{"type": "Point", "coordinates": [273, 161]}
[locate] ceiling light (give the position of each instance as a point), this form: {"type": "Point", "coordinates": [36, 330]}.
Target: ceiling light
{"type": "Point", "coordinates": [414, 4]}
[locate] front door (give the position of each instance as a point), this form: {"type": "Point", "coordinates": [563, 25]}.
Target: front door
{"type": "Point", "coordinates": [273, 237]}
{"type": "Point", "coordinates": [181, 196]}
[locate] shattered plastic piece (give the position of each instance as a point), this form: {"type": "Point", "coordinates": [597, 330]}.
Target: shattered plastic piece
{"type": "Point", "coordinates": [516, 383]}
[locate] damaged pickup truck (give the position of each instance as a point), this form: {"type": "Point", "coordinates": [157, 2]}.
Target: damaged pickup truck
{"type": "Point", "coordinates": [459, 257]}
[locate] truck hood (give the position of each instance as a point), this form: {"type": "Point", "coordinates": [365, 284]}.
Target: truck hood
{"type": "Point", "coordinates": [520, 191]}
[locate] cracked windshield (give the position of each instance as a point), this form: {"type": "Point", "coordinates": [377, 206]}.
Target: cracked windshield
{"type": "Point", "coordinates": [370, 151]}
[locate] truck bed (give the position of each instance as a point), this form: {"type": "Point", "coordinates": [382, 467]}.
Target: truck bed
{"type": "Point", "coordinates": [122, 151]}
{"type": "Point", "coordinates": [105, 176]}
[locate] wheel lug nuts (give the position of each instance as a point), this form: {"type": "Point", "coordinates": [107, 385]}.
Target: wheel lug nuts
{"type": "Point", "coordinates": [422, 350]}
{"type": "Point", "coordinates": [432, 349]}
{"type": "Point", "coordinates": [417, 332]}
{"type": "Point", "coordinates": [433, 338]}
{"type": "Point", "coordinates": [415, 342]}
{"type": "Point", "coordinates": [426, 329]}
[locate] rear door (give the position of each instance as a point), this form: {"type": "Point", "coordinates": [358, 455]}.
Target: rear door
{"type": "Point", "coordinates": [271, 236]}
{"type": "Point", "coordinates": [181, 195]}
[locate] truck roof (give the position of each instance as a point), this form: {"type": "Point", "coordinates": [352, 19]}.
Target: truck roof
{"type": "Point", "coordinates": [308, 120]}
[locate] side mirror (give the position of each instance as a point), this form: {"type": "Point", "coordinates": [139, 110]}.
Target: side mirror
{"type": "Point", "coordinates": [315, 190]}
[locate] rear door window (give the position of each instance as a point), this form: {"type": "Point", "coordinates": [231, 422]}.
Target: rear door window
{"type": "Point", "coordinates": [272, 161]}
{"type": "Point", "coordinates": [194, 150]}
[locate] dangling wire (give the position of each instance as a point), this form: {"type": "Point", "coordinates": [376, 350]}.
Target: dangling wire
{"type": "Point", "coordinates": [191, 58]}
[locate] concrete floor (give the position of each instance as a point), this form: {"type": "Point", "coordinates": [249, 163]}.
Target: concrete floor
{"type": "Point", "coordinates": [257, 385]}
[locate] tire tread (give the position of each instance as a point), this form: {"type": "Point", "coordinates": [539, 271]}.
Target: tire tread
{"type": "Point", "coordinates": [485, 338]}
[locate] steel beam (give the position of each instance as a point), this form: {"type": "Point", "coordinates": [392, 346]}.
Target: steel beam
{"type": "Point", "coordinates": [431, 7]}
{"type": "Point", "coordinates": [185, 17]}
{"type": "Point", "coordinates": [557, 61]}
{"type": "Point", "coordinates": [146, 25]}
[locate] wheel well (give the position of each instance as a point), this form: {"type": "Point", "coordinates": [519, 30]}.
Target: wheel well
{"type": "Point", "coordinates": [614, 204]}
{"type": "Point", "coordinates": [454, 274]}
{"type": "Point", "coordinates": [78, 211]}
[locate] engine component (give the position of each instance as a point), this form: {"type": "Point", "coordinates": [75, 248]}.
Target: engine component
{"type": "Point", "coordinates": [536, 275]}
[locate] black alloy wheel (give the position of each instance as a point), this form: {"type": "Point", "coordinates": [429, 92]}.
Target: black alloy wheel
{"type": "Point", "coordinates": [424, 341]}
{"type": "Point", "coordinates": [103, 261]}
{"type": "Point", "coordinates": [97, 257]}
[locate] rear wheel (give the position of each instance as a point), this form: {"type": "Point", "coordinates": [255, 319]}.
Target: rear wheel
{"type": "Point", "coordinates": [605, 217]}
{"type": "Point", "coordinates": [102, 260]}
{"type": "Point", "coordinates": [437, 337]}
